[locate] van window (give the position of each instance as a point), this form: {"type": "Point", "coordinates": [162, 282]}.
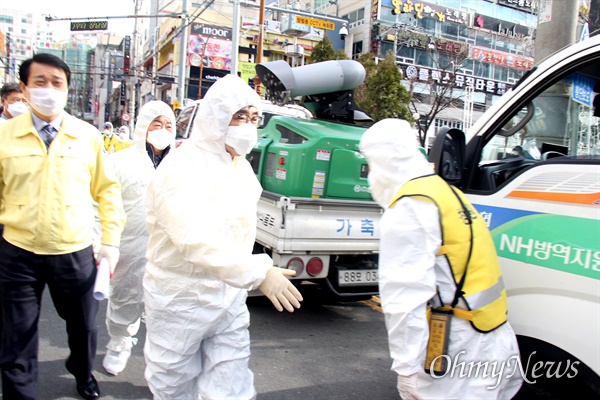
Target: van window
{"type": "Point", "coordinates": [559, 122]}
{"type": "Point", "coordinates": [185, 120]}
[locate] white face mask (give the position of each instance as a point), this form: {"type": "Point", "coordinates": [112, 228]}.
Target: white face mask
{"type": "Point", "coordinates": [17, 108]}
{"type": "Point", "coordinates": [160, 138]}
{"type": "Point", "coordinates": [242, 138]}
{"type": "Point", "coordinates": [47, 101]}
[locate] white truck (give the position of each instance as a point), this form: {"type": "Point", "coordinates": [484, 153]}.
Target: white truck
{"type": "Point", "coordinates": [326, 241]}
{"type": "Point", "coordinates": [316, 215]}
{"type": "Point", "coordinates": [543, 209]}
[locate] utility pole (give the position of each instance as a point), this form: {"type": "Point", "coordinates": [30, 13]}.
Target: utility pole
{"type": "Point", "coordinates": [235, 40]}
{"type": "Point", "coordinates": [259, 47]}
{"type": "Point", "coordinates": [133, 77]}
{"type": "Point", "coordinates": [557, 27]}
{"type": "Point", "coordinates": [337, 6]}
{"type": "Point", "coordinates": [183, 54]}
{"type": "Point", "coordinates": [155, 60]}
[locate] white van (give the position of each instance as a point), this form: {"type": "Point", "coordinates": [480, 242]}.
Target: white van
{"type": "Point", "coordinates": [544, 213]}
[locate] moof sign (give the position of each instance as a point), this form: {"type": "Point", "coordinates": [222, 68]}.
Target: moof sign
{"type": "Point", "coordinates": [89, 26]}
{"type": "Point", "coordinates": [211, 30]}
{"type": "Point", "coordinates": [317, 23]}
{"type": "Point", "coordinates": [125, 117]}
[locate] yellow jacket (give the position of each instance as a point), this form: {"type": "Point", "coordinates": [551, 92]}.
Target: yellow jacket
{"type": "Point", "coordinates": [46, 196]}
{"type": "Point", "coordinates": [120, 145]}
{"type": "Point", "coordinates": [110, 143]}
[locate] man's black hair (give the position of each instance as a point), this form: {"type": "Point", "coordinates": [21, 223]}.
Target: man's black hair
{"type": "Point", "coordinates": [43, 58]}
{"type": "Point", "coordinates": [9, 88]}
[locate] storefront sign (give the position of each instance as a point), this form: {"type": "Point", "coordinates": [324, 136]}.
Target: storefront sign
{"type": "Point", "coordinates": [421, 9]}
{"type": "Point", "coordinates": [210, 46]}
{"type": "Point", "coordinates": [499, 58]}
{"type": "Point", "coordinates": [459, 81]}
{"type": "Point", "coordinates": [446, 46]}
{"type": "Point", "coordinates": [528, 6]}
{"type": "Point", "coordinates": [211, 30]}
{"type": "Point", "coordinates": [375, 11]}
{"type": "Point", "coordinates": [49, 45]}
{"type": "Point", "coordinates": [502, 28]}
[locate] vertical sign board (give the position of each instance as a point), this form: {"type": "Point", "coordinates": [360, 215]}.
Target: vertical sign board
{"type": "Point", "coordinates": [126, 54]}
{"type": "Point", "coordinates": [374, 27]}
{"type": "Point", "coordinates": [583, 88]}
{"type": "Point", "coordinates": [123, 93]}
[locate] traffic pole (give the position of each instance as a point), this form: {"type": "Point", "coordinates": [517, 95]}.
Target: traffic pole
{"type": "Point", "coordinates": [259, 48]}
{"type": "Point", "coordinates": [183, 54]}
{"type": "Point", "coordinates": [235, 39]}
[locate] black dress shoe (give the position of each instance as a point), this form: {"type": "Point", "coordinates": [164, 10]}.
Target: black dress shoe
{"type": "Point", "coordinates": [89, 390]}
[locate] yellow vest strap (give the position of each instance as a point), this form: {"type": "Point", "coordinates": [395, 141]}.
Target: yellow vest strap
{"type": "Point", "coordinates": [458, 312]}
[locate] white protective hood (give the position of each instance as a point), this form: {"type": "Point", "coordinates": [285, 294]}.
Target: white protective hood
{"type": "Point", "coordinates": [226, 96]}
{"type": "Point", "coordinates": [394, 158]}
{"type": "Point", "coordinates": [147, 114]}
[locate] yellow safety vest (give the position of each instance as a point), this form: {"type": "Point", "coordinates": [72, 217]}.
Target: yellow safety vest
{"type": "Point", "coordinates": [483, 289]}
{"type": "Point", "coordinates": [109, 143]}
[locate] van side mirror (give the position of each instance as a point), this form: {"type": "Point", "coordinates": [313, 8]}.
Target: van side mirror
{"type": "Point", "coordinates": [447, 153]}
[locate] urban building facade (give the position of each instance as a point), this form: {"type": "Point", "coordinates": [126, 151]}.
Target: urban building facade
{"type": "Point", "coordinates": [17, 32]}
{"type": "Point", "coordinates": [478, 48]}
{"type": "Point", "coordinates": [209, 43]}
{"type": "Point", "coordinates": [474, 50]}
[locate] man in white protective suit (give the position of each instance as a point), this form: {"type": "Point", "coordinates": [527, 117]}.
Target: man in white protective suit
{"type": "Point", "coordinates": [430, 236]}
{"type": "Point", "coordinates": [202, 224]}
{"type": "Point", "coordinates": [153, 138]}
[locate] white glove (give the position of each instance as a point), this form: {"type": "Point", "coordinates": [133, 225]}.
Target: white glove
{"type": "Point", "coordinates": [407, 387]}
{"type": "Point", "coordinates": [280, 290]}
{"type": "Point", "coordinates": [111, 253]}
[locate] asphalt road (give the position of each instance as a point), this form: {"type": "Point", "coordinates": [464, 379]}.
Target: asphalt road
{"type": "Point", "coordinates": [322, 351]}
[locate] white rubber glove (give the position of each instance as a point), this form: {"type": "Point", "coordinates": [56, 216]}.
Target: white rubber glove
{"type": "Point", "coordinates": [280, 290]}
{"type": "Point", "coordinates": [407, 387]}
{"type": "Point", "coordinates": [111, 253]}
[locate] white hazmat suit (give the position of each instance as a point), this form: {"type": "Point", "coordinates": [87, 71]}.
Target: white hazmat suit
{"type": "Point", "coordinates": [134, 169]}
{"type": "Point", "coordinates": [202, 225]}
{"type": "Point", "coordinates": [410, 270]}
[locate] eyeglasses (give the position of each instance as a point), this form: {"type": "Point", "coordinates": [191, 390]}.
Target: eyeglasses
{"type": "Point", "coordinates": [246, 118]}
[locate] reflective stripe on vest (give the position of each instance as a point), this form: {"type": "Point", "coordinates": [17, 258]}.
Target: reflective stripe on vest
{"type": "Point", "coordinates": [485, 297]}
{"type": "Point", "coordinates": [483, 289]}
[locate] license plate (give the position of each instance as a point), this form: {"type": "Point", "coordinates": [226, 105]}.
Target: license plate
{"type": "Point", "coordinates": [357, 277]}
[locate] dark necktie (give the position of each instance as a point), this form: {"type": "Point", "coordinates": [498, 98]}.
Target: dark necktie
{"type": "Point", "coordinates": [49, 132]}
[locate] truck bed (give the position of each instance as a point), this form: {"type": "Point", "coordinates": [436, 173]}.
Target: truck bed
{"type": "Point", "coordinates": [296, 224]}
